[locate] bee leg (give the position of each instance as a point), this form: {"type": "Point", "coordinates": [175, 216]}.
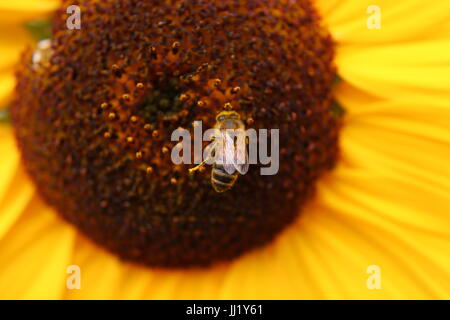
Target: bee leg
{"type": "Point", "coordinates": [207, 151]}
{"type": "Point", "coordinates": [198, 167]}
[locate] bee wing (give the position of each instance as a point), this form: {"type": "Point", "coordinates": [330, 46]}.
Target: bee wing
{"type": "Point", "coordinates": [241, 154]}
{"type": "Point", "coordinates": [235, 158]}
{"type": "Point", "coordinates": [229, 156]}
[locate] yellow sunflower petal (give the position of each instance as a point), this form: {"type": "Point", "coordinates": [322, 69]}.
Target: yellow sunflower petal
{"type": "Point", "coordinates": [14, 37]}
{"type": "Point", "coordinates": [7, 83]}
{"type": "Point", "coordinates": [400, 20]}
{"type": "Point", "coordinates": [418, 70]}
{"type": "Point", "coordinates": [354, 235]}
{"type": "Point", "coordinates": [101, 272]}
{"type": "Point", "coordinates": [104, 276]}
{"type": "Point", "coordinates": [258, 274]}
{"type": "Point", "coordinates": [34, 244]}
{"type": "Point", "coordinates": [12, 43]}
{"type": "Point", "coordinates": [408, 160]}
{"type": "Point", "coordinates": [15, 189]}
{"type": "Point", "coordinates": [35, 254]}
{"type": "Point", "coordinates": [277, 271]}
{"type": "Point", "coordinates": [387, 203]}
{"type": "Point", "coordinates": [9, 160]}
{"type": "Point", "coordinates": [24, 10]}
{"type": "Point", "coordinates": [347, 251]}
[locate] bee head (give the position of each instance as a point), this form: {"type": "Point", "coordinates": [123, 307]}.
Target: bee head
{"type": "Point", "coordinates": [224, 115]}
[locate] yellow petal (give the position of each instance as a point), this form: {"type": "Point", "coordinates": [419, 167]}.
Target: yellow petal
{"type": "Point", "coordinates": [7, 83]}
{"type": "Point", "coordinates": [345, 249]}
{"type": "Point", "coordinates": [272, 272]}
{"type": "Point", "coordinates": [101, 273]}
{"type": "Point", "coordinates": [34, 244]}
{"type": "Point", "coordinates": [104, 276]}
{"type": "Point", "coordinates": [19, 11]}
{"type": "Point", "coordinates": [400, 20]}
{"type": "Point", "coordinates": [388, 202]}
{"type": "Point", "coordinates": [11, 45]}
{"type": "Point", "coordinates": [13, 40]}
{"type": "Point", "coordinates": [15, 189]}
{"type": "Point", "coordinates": [417, 165]}
{"type": "Point", "coordinates": [14, 37]}
{"type": "Point", "coordinates": [417, 71]}
{"type": "Point", "coordinates": [355, 226]}
{"type": "Point", "coordinates": [35, 254]}
{"type": "Point", "coordinates": [9, 161]}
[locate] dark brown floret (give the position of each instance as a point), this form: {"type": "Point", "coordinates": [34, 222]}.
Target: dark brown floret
{"type": "Point", "coordinates": [94, 124]}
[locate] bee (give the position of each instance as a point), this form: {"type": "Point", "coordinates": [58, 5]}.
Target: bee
{"type": "Point", "coordinates": [229, 160]}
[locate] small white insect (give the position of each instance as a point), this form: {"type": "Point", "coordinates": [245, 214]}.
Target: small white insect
{"type": "Point", "coordinates": [42, 54]}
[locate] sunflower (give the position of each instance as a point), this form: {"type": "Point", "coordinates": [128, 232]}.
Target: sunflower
{"type": "Point", "coordinates": [377, 209]}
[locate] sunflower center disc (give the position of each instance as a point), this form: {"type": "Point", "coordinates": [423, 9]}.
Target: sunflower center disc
{"type": "Point", "coordinates": [94, 122]}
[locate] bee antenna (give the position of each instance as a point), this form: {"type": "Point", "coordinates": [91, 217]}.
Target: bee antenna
{"type": "Point", "coordinates": [228, 106]}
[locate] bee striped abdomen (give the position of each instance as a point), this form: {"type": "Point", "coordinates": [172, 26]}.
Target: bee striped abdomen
{"type": "Point", "coordinates": [221, 180]}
